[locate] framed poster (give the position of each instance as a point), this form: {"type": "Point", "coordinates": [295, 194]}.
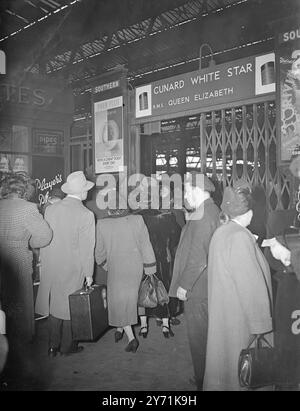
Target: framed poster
{"type": "Point", "coordinates": [108, 132]}
{"type": "Point", "coordinates": [288, 95]}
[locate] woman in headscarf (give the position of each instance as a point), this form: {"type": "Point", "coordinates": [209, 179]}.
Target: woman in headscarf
{"type": "Point", "coordinates": [239, 292]}
{"type": "Point", "coordinates": [123, 248]}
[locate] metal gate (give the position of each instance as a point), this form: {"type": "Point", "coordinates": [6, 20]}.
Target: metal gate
{"type": "Point", "coordinates": [235, 142]}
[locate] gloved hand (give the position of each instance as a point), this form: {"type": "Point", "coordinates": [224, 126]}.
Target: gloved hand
{"type": "Point", "coordinates": [181, 294]}
{"type": "Point", "coordinates": [89, 281]}
{"type": "Point", "coordinates": [278, 251]}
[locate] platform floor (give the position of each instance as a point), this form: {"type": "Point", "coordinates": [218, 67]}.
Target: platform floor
{"type": "Point", "coordinates": [159, 364]}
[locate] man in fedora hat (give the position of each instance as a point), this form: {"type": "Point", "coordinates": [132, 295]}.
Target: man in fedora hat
{"type": "Point", "coordinates": [189, 282]}
{"type": "Point", "coordinates": [67, 261]}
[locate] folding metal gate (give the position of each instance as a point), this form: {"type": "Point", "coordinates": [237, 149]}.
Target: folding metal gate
{"type": "Point", "coordinates": [235, 142]}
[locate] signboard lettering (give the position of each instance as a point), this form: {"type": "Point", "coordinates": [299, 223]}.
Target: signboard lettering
{"type": "Point", "coordinates": [233, 81]}
{"type": "Point", "coordinates": [47, 141]}
{"type": "Point", "coordinates": [296, 323]}
{"type": "Point", "coordinates": [43, 185]}
{"type": "Point", "coordinates": [107, 86]}
{"type": "Point", "coordinates": [290, 36]}
{"type": "Point", "coordinates": [22, 95]}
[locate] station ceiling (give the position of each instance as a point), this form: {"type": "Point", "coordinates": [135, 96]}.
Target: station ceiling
{"type": "Point", "coordinates": [81, 39]}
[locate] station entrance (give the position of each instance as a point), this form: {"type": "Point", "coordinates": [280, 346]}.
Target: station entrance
{"type": "Point", "coordinates": [225, 144]}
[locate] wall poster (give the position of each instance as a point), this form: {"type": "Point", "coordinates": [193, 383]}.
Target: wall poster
{"type": "Point", "coordinates": [288, 94]}
{"type": "Point", "coordinates": [109, 142]}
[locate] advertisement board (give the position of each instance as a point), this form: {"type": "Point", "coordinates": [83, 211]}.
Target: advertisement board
{"type": "Point", "coordinates": [288, 94]}
{"type": "Point", "coordinates": [225, 83]}
{"type": "Point", "coordinates": [109, 141]}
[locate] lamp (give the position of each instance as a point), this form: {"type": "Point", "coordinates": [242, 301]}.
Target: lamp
{"type": "Point", "coordinates": [211, 61]}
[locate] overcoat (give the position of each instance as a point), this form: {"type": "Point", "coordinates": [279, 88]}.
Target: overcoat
{"type": "Point", "coordinates": [164, 233]}
{"type": "Point", "coordinates": [68, 259]}
{"type": "Point", "coordinates": [123, 247]}
{"type": "Point", "coordinates": [21, 227]}
{"type": "Point", "coordinates": [190, 267]}
{"type": "Point", "coordinates": [239, 302]}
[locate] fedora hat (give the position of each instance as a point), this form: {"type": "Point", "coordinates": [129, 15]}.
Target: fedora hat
{"type": "Point", "coordinates": [76, 183]}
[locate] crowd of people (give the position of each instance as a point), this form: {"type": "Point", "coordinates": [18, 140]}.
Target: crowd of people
{"type": "Point", "coordinates": [210, 263]}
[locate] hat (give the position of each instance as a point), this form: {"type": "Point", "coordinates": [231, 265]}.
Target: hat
{"type": "Point", "coordinates": [235, 202]}
{"type": "Point", "coordinates": [76, 183]}
{"type": "Point", "coordinates": [200, 180]}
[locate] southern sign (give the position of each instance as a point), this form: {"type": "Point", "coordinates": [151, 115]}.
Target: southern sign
{"type": "Point", "coordinates": [238, 80]}
{"type": "Point", "coordinates": [288, 93]}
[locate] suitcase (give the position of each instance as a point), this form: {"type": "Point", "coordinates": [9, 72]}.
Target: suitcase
{"type": "Point", "coordinates": [88, 309]}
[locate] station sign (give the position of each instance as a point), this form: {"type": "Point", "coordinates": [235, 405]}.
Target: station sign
{"type": "Point", "coordinates": [225, 83]}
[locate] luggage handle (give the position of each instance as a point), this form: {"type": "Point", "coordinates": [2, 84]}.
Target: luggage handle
{"type": "Point", "coordinates": [258, 339]}
{"type": "Point", "coordinates": [87, 288]}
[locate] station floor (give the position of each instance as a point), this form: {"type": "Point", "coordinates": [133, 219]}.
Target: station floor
{"type": "Point", "coordinates": [159, 364]}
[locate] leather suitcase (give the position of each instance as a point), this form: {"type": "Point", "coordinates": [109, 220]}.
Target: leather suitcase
{"type": "Point", "coordinates": [88, 309]}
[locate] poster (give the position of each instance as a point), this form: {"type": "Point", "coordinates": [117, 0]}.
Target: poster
{"type": "Point", "coordinates": [289, 95]}
{"type": "Point", "coordinates": [48, 173]}
{"type": "Point", "coordinates": [14, 162]}
{"type": "Point", "coordinates": [108, 129]}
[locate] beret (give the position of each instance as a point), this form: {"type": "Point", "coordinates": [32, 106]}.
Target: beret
{"type": "Point", "coordinates": [235, 202]}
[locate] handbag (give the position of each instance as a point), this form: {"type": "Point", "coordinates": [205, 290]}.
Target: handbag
{"type": "Point", "coordinates": [161, 292]}
{"type": "Point", "coordinates": [147, 296]}
{"type": "Point", "coordinates": [257, 365]}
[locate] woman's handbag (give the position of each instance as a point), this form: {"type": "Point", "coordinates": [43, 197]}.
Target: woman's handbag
{"type": "Point", "coordinates": [257, 366]}
{"type": "Point", "coordinates": [147, 296]}
{"type": "Point", "coordinates": [161, 292]}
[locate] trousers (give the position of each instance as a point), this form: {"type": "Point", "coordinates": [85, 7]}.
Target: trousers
{"type": "Point", "coordinates": [60, 334]}
{"type": "Point", "coordinates": [196, 315]}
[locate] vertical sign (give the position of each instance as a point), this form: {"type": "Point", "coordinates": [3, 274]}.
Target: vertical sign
{"type": "Point", "coordinates": [288, 94]}
{"type": "Point", "coordinates": [2, 62]}
{"type": "Point", "coordinates": [110, 130]}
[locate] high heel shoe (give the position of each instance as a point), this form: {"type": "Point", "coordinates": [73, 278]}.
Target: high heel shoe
{"type": "Point", "coordinates": [118, 336]}
{"type": "Point", "coordinates": [132, 345]}
{"type": "Point", "coordinates": [174, 321]}
{"type": "Point", "coordinates": [52, 352]}
{"type": "Point", "coordinates": [167, 331]}
{"type": "Point", "coordinates": [143, 333]}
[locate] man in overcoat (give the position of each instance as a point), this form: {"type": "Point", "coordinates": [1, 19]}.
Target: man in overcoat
{"type": "Point", "coordinates": [67, 261]}
{"type": "Point", "coordinates": [189, 282]}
